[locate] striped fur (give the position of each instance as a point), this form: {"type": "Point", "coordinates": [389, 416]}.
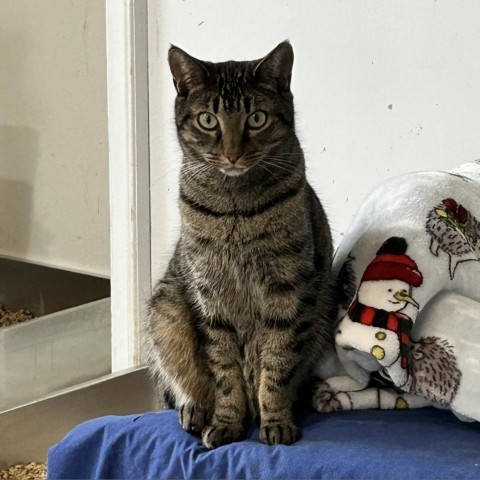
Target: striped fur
{"type": "Point", "coordinates": [244, 308]}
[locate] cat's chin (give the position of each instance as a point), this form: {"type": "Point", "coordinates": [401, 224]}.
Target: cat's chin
{"type": "Point", "coordinates": [234, 171]}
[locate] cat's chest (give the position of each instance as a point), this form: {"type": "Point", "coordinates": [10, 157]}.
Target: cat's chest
{"type": "Point", "coordinates": [231, 269]}
{"type": "Point", "coordinates": [227, 282]}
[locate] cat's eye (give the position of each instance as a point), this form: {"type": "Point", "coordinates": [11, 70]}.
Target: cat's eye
{"type": "Point", "coordinates": [207, 121]}
{"type": "Point", "coordinates": [257, 119]}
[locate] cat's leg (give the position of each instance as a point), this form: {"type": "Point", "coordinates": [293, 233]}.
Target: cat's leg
{"type": "Point", "coordinates": [278, 363]}
{"type": "Point", "coordinates": [222, 348]}
{"type": "Point", "coordinates": [175, 356]}
{"type": "Point", "coordinates": [287, 342]}
{"type": "Point", "coordinates": [277, 368]}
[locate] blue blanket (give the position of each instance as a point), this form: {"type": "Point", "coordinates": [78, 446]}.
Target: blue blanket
{"type": "Point", "coordinates": [406, 444]}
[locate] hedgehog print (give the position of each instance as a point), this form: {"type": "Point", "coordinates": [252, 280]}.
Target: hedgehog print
{"type": "Point", "coordinates": [433, 370]}
{"type": "Point", "coordinates": [454, 230]}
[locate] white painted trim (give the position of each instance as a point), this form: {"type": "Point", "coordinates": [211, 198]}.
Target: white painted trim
{"type": "Point", "coordinates": [127, 67]}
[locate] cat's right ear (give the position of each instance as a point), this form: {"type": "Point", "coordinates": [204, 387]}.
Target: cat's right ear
{"type": "Point", "coordinates": [187, 72]}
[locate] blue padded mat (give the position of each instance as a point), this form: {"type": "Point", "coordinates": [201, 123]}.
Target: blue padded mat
{"type": "Point", "coordinates": [407, 444]}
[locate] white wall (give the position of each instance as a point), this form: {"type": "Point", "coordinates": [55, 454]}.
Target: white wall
{"type": "Point", "coordinates": [53, 133]}
{"type": "Point", "coordinates": [381, 88]}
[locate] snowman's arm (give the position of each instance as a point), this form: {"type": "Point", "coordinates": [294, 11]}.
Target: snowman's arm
{"type": "Point", "coordinates": [369, 398]}
{"type": "Point", "coordinates": [324, 397]}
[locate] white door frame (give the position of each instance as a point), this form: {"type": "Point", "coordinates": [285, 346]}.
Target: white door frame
{"type": "Point", "coordinates": [129, 166]}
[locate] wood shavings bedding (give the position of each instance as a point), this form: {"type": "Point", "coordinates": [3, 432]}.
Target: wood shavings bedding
{"type": "Point", "coordinates": [8, 318]}
{"type": "Point", "coordinates": [28, 471]}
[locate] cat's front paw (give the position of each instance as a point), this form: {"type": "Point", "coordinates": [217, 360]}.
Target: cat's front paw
{"type": "Point", "coordinates": [279, 433]}
{"type": "Point", "coordinates": [192, 417]}
{"type": "Point", "coordinates": [326, 401]}
{"type": "Point", "coordinates": [214, 436]}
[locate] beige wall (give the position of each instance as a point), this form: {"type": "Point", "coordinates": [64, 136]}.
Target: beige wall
{"type": "Point", "coordinates": [53, 133]}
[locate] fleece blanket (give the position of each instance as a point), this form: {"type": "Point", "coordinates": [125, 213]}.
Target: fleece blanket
{"type": "Point", "coordinates": [428, 443]}
{"type": "Point", "coordinates": [409, 317]}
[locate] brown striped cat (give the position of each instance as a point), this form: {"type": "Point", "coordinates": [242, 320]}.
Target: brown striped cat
{"type": "Point", "coordinates": [244, 309]}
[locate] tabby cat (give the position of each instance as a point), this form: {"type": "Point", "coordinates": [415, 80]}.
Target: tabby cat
{"type": "Point", "coordinates": [243, 310]}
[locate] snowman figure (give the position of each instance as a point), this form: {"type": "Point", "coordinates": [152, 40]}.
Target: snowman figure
{"type": "Point", "coordinates": [375, 332]}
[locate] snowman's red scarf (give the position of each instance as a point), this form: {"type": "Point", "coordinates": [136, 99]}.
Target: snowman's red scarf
{"type": "Point", "coordinates": [397, 322]}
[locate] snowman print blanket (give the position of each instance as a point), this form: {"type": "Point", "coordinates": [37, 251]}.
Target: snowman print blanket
{"type": "Point", "coordinates": [408, 333]}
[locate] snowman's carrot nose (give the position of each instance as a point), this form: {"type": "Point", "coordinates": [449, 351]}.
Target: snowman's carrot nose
{"type": "Point", "coordinates": [403, 297]}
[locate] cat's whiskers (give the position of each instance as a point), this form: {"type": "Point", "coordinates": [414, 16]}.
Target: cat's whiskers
{"type": "Point", "coordinates": [277, 164]}
{"type": "Point", "coordinates": [265, 168]}
{"type": "Point", "coordinates": [191, 172]}
{"type": "Point", "coordinates": [193, 178]}
{"type": "Point", "coordinates": [283, 158]}
{"type": "Point", "coordinates": [285, 154]}
{"type": "Point", "coordinates": [282, 161]}
{"type": "Point", "coordinates": [291, 160]}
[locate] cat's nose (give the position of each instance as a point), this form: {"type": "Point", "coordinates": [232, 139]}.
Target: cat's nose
{"type": "Point", "coordinates": [233, 159]}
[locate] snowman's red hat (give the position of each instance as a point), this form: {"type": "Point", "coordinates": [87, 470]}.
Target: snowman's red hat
{"type": "Point", "coordinates": [391, 263]}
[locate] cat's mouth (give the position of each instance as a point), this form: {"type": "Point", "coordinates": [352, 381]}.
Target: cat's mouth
{"type": "Point", "coordinates": [234, 171]}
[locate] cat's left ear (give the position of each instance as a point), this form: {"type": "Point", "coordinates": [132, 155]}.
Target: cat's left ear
{"type": "Point", "coordinates": [276, 67]}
